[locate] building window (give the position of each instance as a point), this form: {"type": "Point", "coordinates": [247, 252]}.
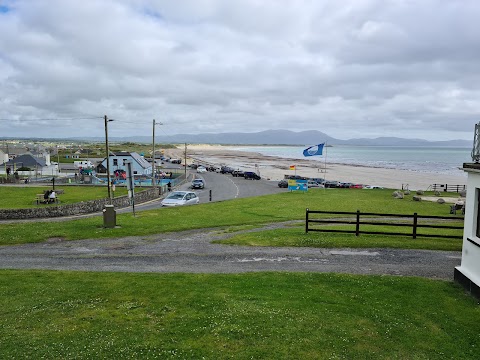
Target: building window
{"type": "Point", "coordinates": [135, 172]}
{"type": "Point", "coordinates": [115, 162]}
{"type": "Point", "coordinates": [124, 161]}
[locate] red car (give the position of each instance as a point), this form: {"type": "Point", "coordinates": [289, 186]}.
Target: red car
{"type": "Point", "coordinates": [356, 186]}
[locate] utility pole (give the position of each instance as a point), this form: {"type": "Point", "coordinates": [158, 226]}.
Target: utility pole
{"type": "Point", "coordinates": [185, 161]}
{"type": "Point", "coordinates": [108, 160]}
{"type": "Point", "coordinates": [154, 180]}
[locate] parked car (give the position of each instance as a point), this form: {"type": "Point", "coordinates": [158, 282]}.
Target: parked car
{"type": "Point", "coordinates": [226, 170]}
{"type": "Point", "coordinates": [238, 173]}
{"type": "Point", "coordinates": [250, 175]}
{"type": "Point", "coordinates": [370, 187]}
{"type": "Point", "coordinates": [312, 184]}
{"type": "Point", "coordinates": [201, 169]}
{"type": "Point", "coordinates": [283, 184]}
{"type": "Point", "coordinates": [178, 198]}
{"type": "Point", "coordinates": [297, 177]}
{"type": "Point", "coordinates": [344, 185]}
{"type": "Point", "coordinates": [356, 186]}
{"type": "Point", "coordinates": [331, 184]}
{"type": "Point", "coordinates": [198, 184]}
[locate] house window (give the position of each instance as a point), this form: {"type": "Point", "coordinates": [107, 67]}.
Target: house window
{"type": "Point", "coordinates": [124, 161]}
{"type": "Point", "coordinates": [115, 162]}
{"type": "Point", "coordinates": [135, 172]}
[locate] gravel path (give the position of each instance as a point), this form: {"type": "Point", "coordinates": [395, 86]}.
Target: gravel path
{"type": "Point", "coordinates": [192, 251]}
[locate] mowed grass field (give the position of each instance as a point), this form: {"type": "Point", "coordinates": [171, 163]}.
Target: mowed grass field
{"type": "Point", "coordinates": [77, 315]}
{"type": "Point", "coordinates": [243, 212]}
{"type": "Point", "coordinates": [91, 315]}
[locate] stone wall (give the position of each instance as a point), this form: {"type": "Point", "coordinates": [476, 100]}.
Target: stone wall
{"type": "Point", "coordinates": [84, 207]}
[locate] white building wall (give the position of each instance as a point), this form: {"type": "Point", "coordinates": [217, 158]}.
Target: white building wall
{"type": "Point", "coordinates": [470, 266]}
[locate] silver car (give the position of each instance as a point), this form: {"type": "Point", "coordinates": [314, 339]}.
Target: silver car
{"type": "Point", "coordinates": [178, 198]}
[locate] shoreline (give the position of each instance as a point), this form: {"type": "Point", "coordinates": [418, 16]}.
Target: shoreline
{"type": "Point", "coordinates": [275, 168]}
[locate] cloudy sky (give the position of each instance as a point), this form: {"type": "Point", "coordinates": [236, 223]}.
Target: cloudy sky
{"type": "Point", "coordinates": [350, 68]}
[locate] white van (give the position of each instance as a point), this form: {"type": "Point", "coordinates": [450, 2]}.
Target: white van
{"type": "Point", "coordinates": [83, 164]}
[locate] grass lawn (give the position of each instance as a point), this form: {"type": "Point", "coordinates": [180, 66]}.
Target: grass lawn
{"type": "Point", "coordinates": [14, 197]}
{"type": "Point", "coordinates": [55, 315]}
{"type": "Point", "coordinates": [296, 236]}
{"type": "Point", "coordinates": [239, 212]}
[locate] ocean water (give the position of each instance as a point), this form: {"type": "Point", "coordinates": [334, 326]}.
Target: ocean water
{"type": "Point", "coordinates": [438, 160]}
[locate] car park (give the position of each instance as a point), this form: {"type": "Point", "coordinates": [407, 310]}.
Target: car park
{"type": "Point", "coordinates": [198, 184]}
{"type": "Point", "coordinates": [283, 184]}
{"type": "Point", "coordinates": [201, 169]}
{"type": "Point", "coordinates": [250, 175]}
{"type": "Point", "coordinates": [178, 198]}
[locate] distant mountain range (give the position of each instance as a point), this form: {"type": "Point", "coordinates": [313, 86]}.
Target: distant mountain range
{"type": "Point", "coordinates": [286, 137]}
{"type": "Point", "coordinates": [272, 137]}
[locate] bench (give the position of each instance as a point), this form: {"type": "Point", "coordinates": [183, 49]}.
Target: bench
{"type": "Point", "coordinates": [41, 200]}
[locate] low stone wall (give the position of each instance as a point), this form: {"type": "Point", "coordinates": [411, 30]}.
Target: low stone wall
{"type": "Point", "coordinates": [84, 207]}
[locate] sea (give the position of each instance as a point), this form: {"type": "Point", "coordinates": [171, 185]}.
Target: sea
{"type": "Point", "coordinates": [438, 160]}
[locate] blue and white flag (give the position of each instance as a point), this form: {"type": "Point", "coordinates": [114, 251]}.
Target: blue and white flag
{"type": "Point", "coordinates": [314, 150]}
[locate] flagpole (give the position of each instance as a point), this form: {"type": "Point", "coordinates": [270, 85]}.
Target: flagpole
{"type": "Point", "coordinates": [325, 166]}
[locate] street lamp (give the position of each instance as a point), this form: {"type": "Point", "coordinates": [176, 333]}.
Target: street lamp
{"type": "Point", "coordinates": [154, 182]}
{"type": "Point", "coordinates": [107, 120]}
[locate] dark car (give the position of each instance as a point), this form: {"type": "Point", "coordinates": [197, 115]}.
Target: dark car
{"type": "Point", "coordinates": [345, 185]}
{"type": "Point", "coordinates": [198, 184]}
{"type": "Point", "coordinates": [250, 175]}
{"type": "Point", "coordinates": [226, 170]}
{"type": "Point", "coordinates": [283, 184]}
{"type": "Point", "coordinates": [238, 173]}
{"type": "Point", "coordinates": [331, 184]}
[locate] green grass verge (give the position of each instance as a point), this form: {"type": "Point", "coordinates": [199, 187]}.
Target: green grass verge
{"type": "Point", "coordinates": [24, 197]}
{"type": "Point", "coordinates": [296, 236]}
{"type": "Point", "coordinates": [240, 212]}
{"type": "Point", "coordinates": [62, 315]}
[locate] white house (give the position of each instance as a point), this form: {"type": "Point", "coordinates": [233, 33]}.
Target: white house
{"type": "Point", "coordinates": [140, 166]}
{"type": "Point", "coordinates": [468, 273]}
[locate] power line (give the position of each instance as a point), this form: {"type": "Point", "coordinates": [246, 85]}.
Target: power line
{"type": "Point", "coordinates": [52, 119]}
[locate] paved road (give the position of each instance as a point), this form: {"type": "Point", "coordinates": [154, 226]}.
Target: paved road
{"type": "Point", "coordinates": [227, 187]}
{"type": "Point", "coordinates": [193, 251]}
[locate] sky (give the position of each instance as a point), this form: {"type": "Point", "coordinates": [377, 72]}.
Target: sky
{"type": "Point", "coordinates": [350, 68]}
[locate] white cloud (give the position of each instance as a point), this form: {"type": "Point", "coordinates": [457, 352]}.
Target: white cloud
{"type": "Point", "coordinates": [351, 69]}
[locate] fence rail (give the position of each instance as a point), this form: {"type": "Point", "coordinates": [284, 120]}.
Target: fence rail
{"type": "Point", "coordinates": [357, 221]}
{"type": "Point", "coordinates": [449, 188]}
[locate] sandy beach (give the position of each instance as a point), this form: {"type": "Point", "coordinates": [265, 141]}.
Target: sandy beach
{"type": "Point", "coordinates": [275, 168]}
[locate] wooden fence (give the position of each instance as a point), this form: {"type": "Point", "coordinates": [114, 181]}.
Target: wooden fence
{"type": "Point", "coordinates": [413, 223]}
{"type": "Point", "coordinates": [449, 188]}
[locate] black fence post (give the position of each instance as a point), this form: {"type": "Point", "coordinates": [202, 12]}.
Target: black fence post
{"type": "Point", "coordinates": [306, 222]}
{"type": "Point", "coordinates": [415, 225]}
{"type": "Point", "coordinates": [210, 194]}
{"type": "Point", "coordinates": [357, 225]}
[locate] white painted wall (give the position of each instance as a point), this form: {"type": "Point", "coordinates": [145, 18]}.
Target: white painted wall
{"type": "Point", "coordinates": [470, 266]}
